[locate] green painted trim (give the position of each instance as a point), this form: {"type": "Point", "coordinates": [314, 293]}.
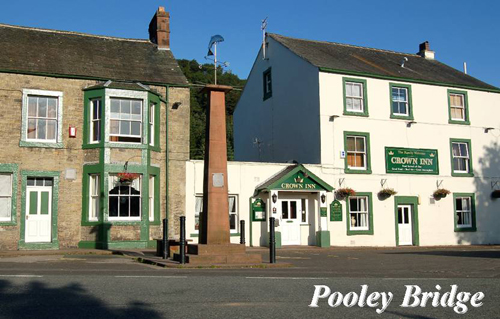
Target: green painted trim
{"type": "Point", "coordinates": [395, 78]}
{"type": "Point", "coordinates": [264, 74]}
{"type": "Point", "coordinates": [13, 169]}
{"type": "Point", "coordinates": [323, 238]}
{"type": "Point", "coordinates": [368, 169]}
{"type": "Point", "coordinates": [277, 238]}
{"type": "Point", "coordinates": [87, 96]}
{"type": "Point", "coordinates": [85, 77]}
{"type": "Point", "coordinates": [155, 171]}
{"type": "Point", "coordinates": [469, 146]}
{"type": "Point", "coordinates": [87, 171]}
{"type": "Point", "coordinates": [413, 201]}
{"type": "Point", "coordinates": [114, 244]}
{"type": "Point", "coordinates": [250, 219]}
{"type": "Point", "coordinates": [410, 101]}
{"type": "Point", "coordinates": [466, 108]}
{"type": "Point", "coordinates": [370, 216]}
{"type": "Point", "coordinates": [40, 144]}
{"type": "Point", "coordinates": [153, 98]}
{"type": "Point", "coordinates": [473, 228]}
{"type": "Point", "coordinates": [301, 168]}
{"type": "Point", "coordinates": [365, 97]}
{"type": "Point", "coordinates": [54, 244]}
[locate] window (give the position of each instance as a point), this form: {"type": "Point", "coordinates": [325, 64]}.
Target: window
{"type": "Point", "coordinates": [95, 120]}
{"type": "Point", "coordinates": [458, 108]}
{"type": "Point", "coordinates": [151, 198]}
{"type": "Point", "coordinates": [124, 199]}
{"type": "Point", "coordinates": [233, 213]}
{"type": "Point", "coordinates": [126, 120]}
{"type": "Point", "coordinates": [152, 107]}
{"type": "Point", "coordinates": [401, 107]}
{"type": "Point", "coordinates": [94, 196]}
{"type": "Point", "coordinates": [465, 215]}
{"type": "Point", "coordinates": [461, 158]}
{"type": "Point", "coordinates": [268, 87]}
{"type": "Point", "coordinates": [5, 197]}
{"type": "Point", "coordinates": [357, 148]}
{"type": "Point", "coordinates": [359, 214]}
{"type": "Point", "coordinates": [355, 97]}
{"type": "Point", "coordinates": [42, 112]}
{"type": "Point", "coordinates": [303, 215]}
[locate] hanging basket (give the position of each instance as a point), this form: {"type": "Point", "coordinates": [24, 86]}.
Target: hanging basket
{"type": "Point", "coordinates": [342, 193]}
{"type": "Point", "coordinates": [495, 194]}
{"type": "Point", "coordinates": [126, 179]}
{"type": "Point", "coordinates": [440, 193]}
{"type": "Point", "coordinates": [386, 193]}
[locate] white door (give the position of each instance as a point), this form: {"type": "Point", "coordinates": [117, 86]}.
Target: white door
{"type": "Point", "coordinates": [405, 225]}
{"type": "Point", "coordinates": [38, 214]}
{"type": "Point", "coordinates": [290, 222]}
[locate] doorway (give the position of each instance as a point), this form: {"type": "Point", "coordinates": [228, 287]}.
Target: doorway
{"type": "Point", "coordinates": [291, 214]}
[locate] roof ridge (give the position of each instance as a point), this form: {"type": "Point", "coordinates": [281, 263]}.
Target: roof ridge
{"type": "Point", "coordinates": [346, 45]}
{"type": "Point", "coordinates": [73, 33]}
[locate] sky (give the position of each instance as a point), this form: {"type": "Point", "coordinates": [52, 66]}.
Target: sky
{"type": "Point", "coordinates": [458, 31]}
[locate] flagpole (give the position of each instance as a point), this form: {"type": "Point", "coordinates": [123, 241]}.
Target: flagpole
{"type": "Point", "coordinates": [215, 61]}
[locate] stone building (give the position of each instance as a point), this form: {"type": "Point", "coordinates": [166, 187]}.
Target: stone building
{"type": "Point", "coordinates": [95, 138]}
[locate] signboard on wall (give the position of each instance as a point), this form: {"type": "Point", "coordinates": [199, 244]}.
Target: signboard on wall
{"type": "Point", "coordinates": [411, 161]}
{"type": "Point", "coordinates": [335, 211]}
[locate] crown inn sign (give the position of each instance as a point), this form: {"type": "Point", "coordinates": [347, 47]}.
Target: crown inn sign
{"type": "Point", "coordinates": [411, 161]}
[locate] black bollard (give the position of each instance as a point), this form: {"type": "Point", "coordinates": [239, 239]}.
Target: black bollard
{"type": "Point", "coordinates": [166, 250]}
{"type": "Point", "coordinates": [182, 243]}
{"type": "Point", "coordinates": [272, 242]}
{"type": "Point", "coordinates": [242, 232]}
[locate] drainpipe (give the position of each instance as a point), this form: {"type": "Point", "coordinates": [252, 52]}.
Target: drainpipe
{"type": "Point", "coordinates": [167, 87]}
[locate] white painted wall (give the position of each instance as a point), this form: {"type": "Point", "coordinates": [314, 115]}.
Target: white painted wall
{"type": "Point", "coordinates": [286, 124]}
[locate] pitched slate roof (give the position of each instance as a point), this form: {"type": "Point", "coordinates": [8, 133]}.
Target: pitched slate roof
{"type": "Point", "coordinates": [353, 59]}
{"type": "Point", "coordinates": [63, 53]}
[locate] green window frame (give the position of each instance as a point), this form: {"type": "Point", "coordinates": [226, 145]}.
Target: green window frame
{"type": "Point", "coordinates": [364, 101]}
{"type": "Point", "coordinates": [409, 101]}
{"type": "Point", "coordinates": [465, 120]}
{"type": "Point", "coordinates": [267, 82]}
{"type": "Point", "coordinates": [369, 230]}
{"type": "Point", "coordinates": [155, 143]}
{"type": "Point", "coordinates": [88, 171]}
{"type": "Point", "coordinates": [367, 169]}
{"type": "Point", "coordinates": [468, 157]}
{"type": "Point", "coordinates": [154, 171]}
{"type": "Point", "coordinates": [88, 97]}
{"type": "Point", "coordinates": [12, 170]}
{"type": "Point", "coordinates": [462, 213]}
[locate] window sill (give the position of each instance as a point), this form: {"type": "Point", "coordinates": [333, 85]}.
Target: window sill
{"type": "Point", "coordinates": [402, 117]}
{"type": "Point", "coordinates": [8, 223]}
{"type": "Point", "coordinates": [355, 171]}
{"type": "Point", "coordinates": [465, 229]}
{"type": "Point", "coordinates": [453, 174]}
{"type": "Point", "coordinates": [359, 232]}
{"type": "Point", "coordinates": [362, 114]}
{"type": "Point", "coordinates": [458, 122]}
{"type": "Point", "coordinates": [125, 145]}
{"type": "Point", "coordinates": [40, 144]}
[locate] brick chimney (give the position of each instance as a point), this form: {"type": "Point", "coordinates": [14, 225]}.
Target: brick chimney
{"type": "Point", "coordinates": [424, 50]}
{"type": "Point", "coordinates": [159, 29]}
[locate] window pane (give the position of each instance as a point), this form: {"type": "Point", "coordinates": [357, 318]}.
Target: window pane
{"type": "Point", "coordinates": [31, 181]}
{"type": "Point", "coordinates": [463, 150]}
{"type": "Point", "coordinates": [5, 184]}
{"type": "Point", "coordinates": [42, 107]}
{"type": "Point", "coordinates": [350, 144]}
{"type": "Point", "coordinates": [5, 208]}
{"type": "Point", "coordinates": [458, 204]}
{"type": "Point", "coordinates": [51, 129]}
{"type": "Point", "coordinates": [348, 89]}
{"type": "Point", "coordinates": [356, 104]}
{"type": "Point", "coordinates": [135, 206]}
{"type": "Point", "coordinates": [199, 204]}
{"type": "Point", "coordinates": [32, 129]}
{"type": "Point", "coordinates": [115, 109]}
{"type": "Point", "coordinates": [136, 107]}
{"type": "Point", "coordinates": [284, 209]}
{"type": "Point", "coordinates": [356, 90]}
{"type": "Point", "coordinates": [232, 222]}
{"type": "Point", "coordinates": [362, 204]}
{"type": "Point", "coordinates": [42, 129]}
{"type": "Point", "coordinates": [125, 127]}
{"type": "Point", "coordinates": [113, 206]}
{"type": "Point", "coordinates": [360, 144]}
{"type": "Point", "coordinates": [114, 127]}
{"type": "Point", "coordinates": [32, 106]}
{"type": "Point", "coordinates": [125, 109]}
{"type": "Point", "coordinates": [456, 149]}
{"type": "Point", "coordinates": [466, 204]}
{"type": "Point", "coordinates": [360, 160]}
{"type": "Point", "coordinates": [52, 108]}
{"type": "Point", "coordinates": [293, 210]}
{"type": "Point", "coordinates": [124, 206]}
{"type": "Point", "coordinates": [96, 130]}
{"type": "Point", "coordinates": [135, 128]}
{"type": "Point", "coordinates": [353, 204]}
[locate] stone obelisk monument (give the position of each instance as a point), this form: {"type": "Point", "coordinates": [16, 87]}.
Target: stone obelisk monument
{"type": "Point", "coordinates": [214, 223]}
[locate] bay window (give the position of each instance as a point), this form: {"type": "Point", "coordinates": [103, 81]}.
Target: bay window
{"type": "Point", "coordinates": [125, 120]}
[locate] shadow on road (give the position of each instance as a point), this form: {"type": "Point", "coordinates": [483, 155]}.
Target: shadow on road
{"type": "Point", "coordinates": [37, 300]}
{"type": "Point", "coordinates": [453, 253]}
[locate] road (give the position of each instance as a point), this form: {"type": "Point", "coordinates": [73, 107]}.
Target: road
{"type": "Point", "coordinates": [92, 286]}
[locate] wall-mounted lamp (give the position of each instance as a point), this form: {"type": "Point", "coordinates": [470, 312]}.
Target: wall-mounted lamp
{"type": "Point", "coordinates": [323, 198]}
{"type": "Point", "coordinates": [409, 123]}
{"type": "Point", "coordinates": [487, 129]}
{"type": "Point", "coordinates": [333, 117]}
{"type": "Point", "coordinates": [274, 197]}
{"type": "Point", "coordinates": [176, 105]}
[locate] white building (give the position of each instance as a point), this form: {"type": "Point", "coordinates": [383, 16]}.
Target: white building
{"type": "Point", "coordinates": [365, 119]}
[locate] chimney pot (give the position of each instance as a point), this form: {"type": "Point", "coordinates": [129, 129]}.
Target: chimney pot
{"type": "Point", "coordinates": [159, 29]}
{"type": "Point", "coordinates": [425, 50]}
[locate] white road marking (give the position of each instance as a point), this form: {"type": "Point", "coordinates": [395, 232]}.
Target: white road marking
{"type": "Point", "coordinates": [289, 278]}
{"type": "Point", "coordinates": [22, 276]}
{"type": "Point", "coordinates": [150, 276]}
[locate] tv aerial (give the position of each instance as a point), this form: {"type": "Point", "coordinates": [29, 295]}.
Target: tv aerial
{"type": "Point", "coordinates": [213, 44]}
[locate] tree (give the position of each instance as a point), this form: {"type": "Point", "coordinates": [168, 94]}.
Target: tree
{"type": "Point", "coordinates": [199, 75]}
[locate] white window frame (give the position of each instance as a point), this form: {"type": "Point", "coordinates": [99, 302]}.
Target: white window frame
{"type": "Point", "coordinates": [365, 157]}
{"type": "Point", "coordinates": [24, 127]}
{"type": "Point", "coordinates": [399, 88]}
{"type": "Point", "coordinates": [129, 95]}
{"type": "Point", "coordinates": [267, 83]}
{"type": "Point", "coordinates": [464, 211]}
{"type": "Point", "coordinates": [112, 180]}
{"type": "Point", "coordinates": [461, 156]}
{"type": "Point", "coordinates": [361, 98]}
{"type": "Point", "coordinates": [95, 121]}
{"type": "Point", "coordinates": [152, 109]}
{"type": "Point", "coordinates": [151, 193]}
{"type": "Point", "coordinates": [94, 197]}
{"type": "Point", "coordinates": [304, 202]}
{"type": "Point", "coordinates": [9, 196]}
{"type": "Point", "coordinates": [197, 213]}
{"type": "Point", "coordinates": [235, 212]}
{"type": "Point", "coordinates": [462, 107]}
{"type": "Point", "coordinates": [359, 212]}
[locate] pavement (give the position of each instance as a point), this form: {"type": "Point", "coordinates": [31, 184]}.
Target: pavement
{"type": "Point", "coordinates": [112, 284]}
